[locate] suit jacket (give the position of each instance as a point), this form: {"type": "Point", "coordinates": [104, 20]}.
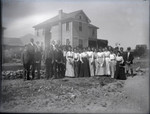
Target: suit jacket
{"type": "Point", "coordinates": [129, 58]}
{"type": "Point", "coordinates": [31, 48]}
{"type": "Point", "coordinates": [49, 54]}
{"type": "Point", "coordinates": [38, 54]}
{"type": "Point", "coordinates": [58, 55]}
{"type": "Point", "coordinates": [25, 57]}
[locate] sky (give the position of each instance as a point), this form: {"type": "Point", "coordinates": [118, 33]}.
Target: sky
{"type": "Point", "coordinates": [119, 21]}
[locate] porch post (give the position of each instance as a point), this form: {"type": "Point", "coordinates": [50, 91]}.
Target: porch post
{"type": "Point", "coordinates": [47, 38]}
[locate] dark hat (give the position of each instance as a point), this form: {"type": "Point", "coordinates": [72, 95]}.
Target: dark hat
{"type": "Point", "coordinates": [129, 48]}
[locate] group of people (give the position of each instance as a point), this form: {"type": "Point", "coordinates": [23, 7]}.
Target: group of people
{"type": "Point", "coordinates": [31, 59]}
{"type": "Point", "coordinates": [66, 61]}
{"type": "Point", "coordinates": [108, 61]}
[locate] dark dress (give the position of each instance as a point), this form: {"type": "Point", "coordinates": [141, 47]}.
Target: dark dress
{"type": "Point", "coordinates": [84, 68]}
{"type": "Point", "coordinates": [120, 70]}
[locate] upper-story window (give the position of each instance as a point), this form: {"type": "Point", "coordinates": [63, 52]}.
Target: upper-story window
{"type": "Point", "coordinates": [67, 26]}
{"type": "Point", "coordinates": [80, 26]}
{"type": "Point", "coordinates": [80, 17]}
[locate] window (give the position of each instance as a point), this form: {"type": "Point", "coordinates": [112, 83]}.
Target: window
{"type": "Point", "coordinates": [67, 26]}
{"type": "Point", "coordinates": [80, 17]}
{"type": "Point", "coordinates": [80, 26]}
{"type": "Point", "coordinates": [80, 43]}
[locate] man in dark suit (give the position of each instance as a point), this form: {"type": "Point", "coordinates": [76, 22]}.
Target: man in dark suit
{"type": "Point", "coordinates": [38, 57]}
{"type": "Point", "coordinates": [26, 63]}
{"type": "Point", "coordinates": [49, 60]}
{"type": "Point", "coordinates": [129, 61]}
{"type": "Point", "coordinates": [58, 59]}
{"type": "Point", "coordinates": [60, 63]}
{"type": "Point", "coordinates": [31, 48]}
{"type": "Point", "coordinates": [28, 59]}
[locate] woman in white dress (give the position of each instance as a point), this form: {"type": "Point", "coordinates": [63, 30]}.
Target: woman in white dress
{"type": "Point", "coordinates": [91, 61]}
{"type": "Point", "coordinates": [99, 63]}
{"type": "Point", "coordinates": [69, 63]}
{"type": "Point", "coordinates": [107, 62]}
{"type": "Point", "coordinates": [95, 55]}
{"type": "Point", "coordinates": [112, 63]}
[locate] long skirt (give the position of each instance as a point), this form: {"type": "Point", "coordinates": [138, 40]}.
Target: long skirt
{"type": "Point", "coordinates": [99, 67]}
{"type": "Point", "coordinates": [120, 72]}
{"type": "Point", "coordinates": [76, 68]}
{"type": "Point", "coordinates": [112, 68]}
{"type": "Point", "coordinates": [107, 67]}
{"type": "Point", "coordinates": [91, 65]}
{"type": "Point", "coordinates": [84, 68]}
{"type": "Point", "coordinates": [69, 68]}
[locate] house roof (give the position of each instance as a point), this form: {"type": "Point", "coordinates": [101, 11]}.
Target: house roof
{"type": "Point", "coordinates": [12, 42]}
{"type": "Point", "coordinates": [65, 16]}
{"type": "Point", "coordinates": [90, 25]}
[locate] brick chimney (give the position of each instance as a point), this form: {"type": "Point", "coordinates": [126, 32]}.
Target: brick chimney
{"type": "Point", "coordinates": [60, 25]}
{"type": "Point", "coordinates": [60, 14]}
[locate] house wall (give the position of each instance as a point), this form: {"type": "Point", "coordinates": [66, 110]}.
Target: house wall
{"type": "Point", "coordinates": [73, 34]}
{"type": "Point", "coordinates": [66, 34]}
{"type": "Point", "coordinates": [81, 17]}
{"type": "Point", "coordinates": [91, 35]}
{"type": "Point", "coordinates": [83, 35]}
{"type": "Point", "coordinates": [55, 33]}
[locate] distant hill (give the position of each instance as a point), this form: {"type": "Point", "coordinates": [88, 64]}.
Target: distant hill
{"type": "Point", "coordinates": [26, 38]}
{"type": "Point", "coordinates": [23, 40]}
{"type": "Point", "coordinates": [12, 42]}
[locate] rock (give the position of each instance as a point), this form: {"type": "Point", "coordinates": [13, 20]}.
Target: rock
{"type": "Point", "coordinates": [104, 104]}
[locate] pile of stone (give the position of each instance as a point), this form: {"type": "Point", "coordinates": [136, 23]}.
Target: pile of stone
{"type": "Point", "coordinates": [12, 74]}
{"type": "Point", "coordinates": [140, 71]}
{"type": "Point", "coordinates": [9, 75]}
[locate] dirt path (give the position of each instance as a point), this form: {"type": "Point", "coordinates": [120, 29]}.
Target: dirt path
{"type": "Point", "coordinates": [136, 96]}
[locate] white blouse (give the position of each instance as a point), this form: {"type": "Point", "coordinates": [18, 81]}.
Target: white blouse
{"type": "Point", "coordinates": [90, 53]}
{"type": "Point", "coordinates": [100, 54]}
{"type": "Point", "coordinates": [112, 56]}
{"type": "Point", "coordinates": [64, 53]}
{"type": "Point", "coordinates": [69, 54]}
{"type": "Point", "coordinates": [107, 53]}
{"type": "Point", "coordinates": [119, 58]}
{"type": "Point", "coordinates": [76, 55]}
{"type": "Point", "coordinates": [83, 54]}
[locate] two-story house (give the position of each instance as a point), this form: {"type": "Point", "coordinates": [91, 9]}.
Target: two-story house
{"type": "Point", "coordinates": [73, 29]}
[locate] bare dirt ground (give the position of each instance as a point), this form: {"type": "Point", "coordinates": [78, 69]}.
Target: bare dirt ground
{"type": "Point", "coordinates": [77, 95]}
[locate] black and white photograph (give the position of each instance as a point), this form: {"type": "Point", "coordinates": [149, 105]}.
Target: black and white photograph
{"type": "Point", "coordinates": [75, 56]}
